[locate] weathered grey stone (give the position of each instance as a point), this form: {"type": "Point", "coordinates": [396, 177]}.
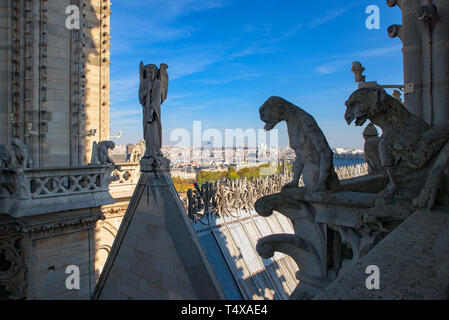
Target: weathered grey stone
{"type": "Point", "coordinates": [314, 157]}
{"type": "Point", "coordinates": [371, 150]}
{"type": "Point", "coordinates": [425, 36]}
{"type": "Point", "coordinates": [153, 91]}
{"type": "Point", "coordinates": [413, 262]}
{"type": "Point", "coordinates": [100, 152]}
{"type": "Point", "coordinates": [14, 159]}
{"type": "Point", "coordinates": [410, 150]}
{"type": "Point", "coordinates": [137, 152]}
{"type": "Point", "coordinates": [156, 215]}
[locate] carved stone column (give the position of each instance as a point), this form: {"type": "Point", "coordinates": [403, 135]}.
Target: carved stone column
{"type": "Point", "coordinates": [425, 36]}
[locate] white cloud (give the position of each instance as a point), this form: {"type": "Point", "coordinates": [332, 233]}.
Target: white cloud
{"type": "Point", "coordinates": [331, 15]}
{"type": "Point", "coordinates": [345, 60]}
{"type": "Point", "coordinates": [157, 20]}
{"type": "Point", "coordinates": [331, 67]}
{"type": "Point", "coordinates": [124, 88]}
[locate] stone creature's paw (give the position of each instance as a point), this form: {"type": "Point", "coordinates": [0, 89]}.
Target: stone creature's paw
{"type": "Point", "coordinates": [290, 185]}
{"type": "Point", "coordinates": [388, 192]}
{"type": "Point", "coordinates": [264, 206]}
{"type": "Point", "coordinates": [426, 198]}
{"type": "Point", "coordinates": [319, 188]}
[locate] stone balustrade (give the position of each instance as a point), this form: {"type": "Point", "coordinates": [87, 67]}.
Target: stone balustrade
{"type": "Point", "coordinates": [49, 190]}
{"type": "Point", "coordinates": [58, 181]}
{"type": "Point", "coordinates": [125, 180]}
{"type": "Point", "coordinates": [128, 173]}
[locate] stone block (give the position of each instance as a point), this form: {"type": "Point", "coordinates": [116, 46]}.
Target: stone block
{"type": "Point", "coordinates": [158, 259]}
{"type": "Point", "coordinates": [413, 261]}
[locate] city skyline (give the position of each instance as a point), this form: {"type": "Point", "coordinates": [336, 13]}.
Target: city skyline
{"type": "Point", "coordinates": [222, 72]}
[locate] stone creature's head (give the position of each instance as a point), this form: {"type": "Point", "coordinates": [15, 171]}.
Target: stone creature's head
{"type": "Point", "coordinates": [364, 104]}
{"type": "Point", "coordinates": [272, 112]}
{"type": "Point", "coordinates": [21, 153]}
{"type": "Point", "coordinates": [5, 156]}
{"type": "Point", "coordinates": [108, 144]}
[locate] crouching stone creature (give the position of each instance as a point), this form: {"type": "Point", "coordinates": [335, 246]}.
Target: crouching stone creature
{"type": "Point", "coordinates": [314, 157]}
{"type": "Point", "coordinates": [414, 154]}
{"type": "Point", "coordinates": [100, 152]}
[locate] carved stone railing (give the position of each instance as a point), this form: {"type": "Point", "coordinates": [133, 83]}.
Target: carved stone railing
{"type": "Point", "coordinates": [228, 197]}
{"type": "Point", "coordinates": [126, 178]}
{"type": "Point", "coordinates": [333, 230]}
{"type": "Point", "coordinates": [352, 171]}
{"type": "Point", "coordinates": [128, 173]}
{"type": "Point", "coordinates": [60, 189]}
{"type": "Point", "coordinates": [231, 196]}
{"type": "Point", "coordinates": [57, 181]}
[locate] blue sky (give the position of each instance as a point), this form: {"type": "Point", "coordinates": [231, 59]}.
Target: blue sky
{"type": "Point", "coordinates": [226, 57]}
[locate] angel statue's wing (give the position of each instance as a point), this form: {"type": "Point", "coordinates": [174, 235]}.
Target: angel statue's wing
{"type": "Point", "coordinates": [142, 87]}
{"type": "Point", "coordinates": [164, 81]}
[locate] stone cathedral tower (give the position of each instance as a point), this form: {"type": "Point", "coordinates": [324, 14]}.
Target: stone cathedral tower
{"type": "Point", "coordinates": [54, 92]}
{"type": "Point", "coordinates": [54, 98]}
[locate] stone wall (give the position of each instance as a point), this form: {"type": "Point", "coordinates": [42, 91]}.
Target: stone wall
{"type": "Point", "coordinates": [4, 70]}
{"type": "Point", "coordinates": [54, 81]}
{"type": "Point", "coordinates": [38, 251]}
{"type": "Point", "coordinates": [49, 257]}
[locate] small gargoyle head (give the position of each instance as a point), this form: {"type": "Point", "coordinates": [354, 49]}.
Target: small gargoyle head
{"type": "Point", "coordinates": [272, 112]}
{"type": "Point", "coordinates": [364, 104]}
{"type": "Point", "coordinates": [109, 144]}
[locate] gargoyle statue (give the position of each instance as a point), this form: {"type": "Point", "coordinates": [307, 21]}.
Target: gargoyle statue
{"type": "Point", "coordinates": [409, 149]}
{"type": "Point", "coordinates": [100, 152]}
{"type": "Point", "coordinates": [314, 157]}
{"type": "Point", "coordinates": [137, 152]}
{"type": "Point", "coordinates": [14, 159]}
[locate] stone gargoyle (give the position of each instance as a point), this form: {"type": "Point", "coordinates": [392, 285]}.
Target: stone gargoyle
{"type": "Point", "coordinates": [414, 154]}
{"type": "Point", "coordinates": [100, 156]}
{"type": "Point", "coordinates": [14, 158]}
{"type": "Point", "coordinates": [137, 152]}
{"type": "Point", "coordinates": [100, 152]}
{"type": "Point", "coordinates": [335, 228]}
{"type": "Point", "coordinates": [314, 157]}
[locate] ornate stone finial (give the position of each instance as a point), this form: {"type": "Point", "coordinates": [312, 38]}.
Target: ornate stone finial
{"type": "Point", "coordinates": [370, 131]}
{"type": "Point", "coordinates": [358, 70]}
{"type": "Point", "coordinates": [153, 91]}
{"type": "Point", "coordinates": [371, 150]}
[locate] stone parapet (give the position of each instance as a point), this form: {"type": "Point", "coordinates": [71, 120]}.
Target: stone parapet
{"type": "Point", "coordinates": [413, 263]}
{"type": "Point", "coordinates": [333, 230]}
{"type": "Point", "coordinates": [52, 190]}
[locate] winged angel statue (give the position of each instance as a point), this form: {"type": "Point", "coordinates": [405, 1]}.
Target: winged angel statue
{"type": "Point", "coordinates": [153, 91]}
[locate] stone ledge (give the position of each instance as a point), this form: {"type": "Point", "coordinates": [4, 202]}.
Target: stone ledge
{"type": "Point", "coordinates": [413, 262]}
